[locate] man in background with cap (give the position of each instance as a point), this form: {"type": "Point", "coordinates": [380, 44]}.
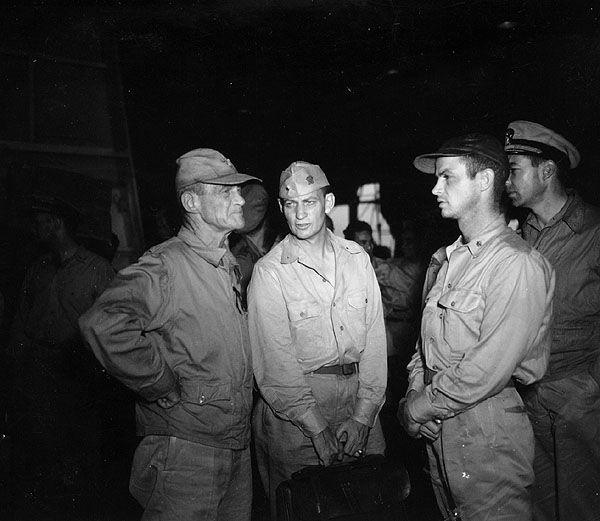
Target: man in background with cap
{"type": "Point", "coordinates": [57, 382]}
{"type": "Point", "coordinates": [172, 328]}
{"type": "Point", "coordinates": [564, 407]}
{"type": "Point", "coordinates": [486, 323]}
{"type": "Point", "coordinates": [318, 340]}
{"type": "Point", "coordinates": [258, 234]}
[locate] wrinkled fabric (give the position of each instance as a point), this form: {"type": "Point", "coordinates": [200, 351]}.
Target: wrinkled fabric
{"type": "Point", "coordinates": [174, 319]}
{"type": "Point", "coordinates": [564, 407]}
{"type": "Point", "coordinates": [178, 479]}
{"type": "Point", "coordinates": [400, 284]}
{"type": "Point", "coordinates": [571, 242]}
{"type": "Point", "coordinates": [300, 322]}
{"type": "Point", "coordinates": [486, 320]}
{"type": "Point", "coordinates": [282, 448]}
{"type": "Point", "coordinates": [486, 454]}
{"type": "Point", "coordinates": [565, 415]}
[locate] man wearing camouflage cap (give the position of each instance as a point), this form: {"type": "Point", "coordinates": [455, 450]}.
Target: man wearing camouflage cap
{"type": "Point", "coordinates": [172, 329]}
{"type": "Point", "coordinates": [564, 406]}
{"type": "Point", "coordinates": [318, 339]}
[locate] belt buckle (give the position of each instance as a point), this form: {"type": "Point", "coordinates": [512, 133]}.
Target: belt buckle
{"type": "Point", "coordinates": [348, 369]}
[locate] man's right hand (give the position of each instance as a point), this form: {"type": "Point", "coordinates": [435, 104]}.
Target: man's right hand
{"type": "Point", "coordinates": [171, 399]}
{"type": "Point", "coordinates": [411, 427]}
{"type": "Point", "coordinates": [327, 447]}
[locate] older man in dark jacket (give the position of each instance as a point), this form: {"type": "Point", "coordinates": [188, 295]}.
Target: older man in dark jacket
{"type": "Point", "coordinates": [172, 328]}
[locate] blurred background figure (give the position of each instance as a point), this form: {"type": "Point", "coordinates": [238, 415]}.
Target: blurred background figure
{"type": "Point", "coordinates": [257, 236]}
{"type": "Point", "coordinates": [400, 282]}
{"type": "Point", "coordinates": [56, 380]}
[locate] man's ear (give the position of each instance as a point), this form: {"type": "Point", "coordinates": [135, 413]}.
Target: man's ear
{"type": "Point", "coordinates": [486, 179]}
{"type": "Point", "coordinates": [329, 202]}
{"type": "Point", "coordinates": [190, 201]}
{"type": "Point", "coordinates": [280, 205]}
{"type": "Point", "coordinates": [549, 168]}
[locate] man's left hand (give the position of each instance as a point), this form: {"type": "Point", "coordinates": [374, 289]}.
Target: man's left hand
{"type": "Point", "coordinates": [353, 435]}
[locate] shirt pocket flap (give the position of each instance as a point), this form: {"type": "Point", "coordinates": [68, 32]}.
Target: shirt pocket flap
{"type": "Point", "coordinates": [460, 300]}
{"type": "Point", "coordinates": [303, 310]}
{"type": "Point", "coordinates": [357, 300]}
{"type": "Point", "coordinates": [201, 391]}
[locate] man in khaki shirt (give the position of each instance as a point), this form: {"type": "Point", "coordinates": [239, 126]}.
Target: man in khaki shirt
{"type": "Point", "coordinates": [486, 323]}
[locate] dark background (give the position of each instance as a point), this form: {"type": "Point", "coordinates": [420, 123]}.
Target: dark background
{"type": "Point", "coordinates": [359, 87]}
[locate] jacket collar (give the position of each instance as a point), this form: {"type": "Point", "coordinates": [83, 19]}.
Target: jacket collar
{"type": "Point", "coordinates": [214, 256]}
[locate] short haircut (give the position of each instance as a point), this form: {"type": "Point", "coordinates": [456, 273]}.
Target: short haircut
{"type": "Point", "coordinates": [561, 171]}
{"type": "Point", "coordinates": [476, 163]}
{"type": "Point", "coordinates": [198, 188]}
{"type": "Point", "coordinates": [356, 227]}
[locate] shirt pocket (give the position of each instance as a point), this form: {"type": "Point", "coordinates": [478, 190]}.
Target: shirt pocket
{"type": "Point", "coordinates": [306, 327]}
{"type": "Point", "coordinates": [462, 312]}
{"type": "Point", "coordinates": [357, 318]}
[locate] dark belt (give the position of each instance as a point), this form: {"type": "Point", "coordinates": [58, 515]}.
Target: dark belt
{"type": "Point", "coordinates": [345, 370]}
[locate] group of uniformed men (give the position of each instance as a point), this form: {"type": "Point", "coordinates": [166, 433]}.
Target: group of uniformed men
{"type": "Point", "coordinates": [503, 384]}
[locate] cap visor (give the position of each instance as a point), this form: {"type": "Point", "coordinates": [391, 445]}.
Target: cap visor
{"type": "Point", "coordinates": [426, 162]}
{"type": "Point", "coordinates": [230, 179]}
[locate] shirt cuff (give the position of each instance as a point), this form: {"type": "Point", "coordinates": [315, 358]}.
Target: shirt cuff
{"type": "Point", "coordinates": [420, 408]}
{"type": "Point", "coordinates": [365, 412]}
{"type": "Point", "coordinates": [312, 422]}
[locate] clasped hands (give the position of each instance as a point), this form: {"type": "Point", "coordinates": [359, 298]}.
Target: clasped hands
{"type": "Point", "coordinates": [429, 429]}
{"type": "Point", "coordinates": [350, 438]}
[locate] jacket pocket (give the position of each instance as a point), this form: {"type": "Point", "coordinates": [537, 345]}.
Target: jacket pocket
{"type": "Point", "coordinates": [210, 403]}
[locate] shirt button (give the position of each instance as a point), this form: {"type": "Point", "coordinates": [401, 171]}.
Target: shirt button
{"type": "Point", "coordinates": [453, 303]}
{"type": "Point", "coordinates": [478, 243]}
{"type": "Point", "coordinates": [342, 328]}
{"type": "Point", "coordinates": [449, 285]}
{"type": "Point", "coordinates": [302, 313]}
{"type": "Point", "coordinates": [324, 280]}
{"type": "Point", "coordinates": [334, 304]}
{"type": "Point", "coordinates": [366, 301]}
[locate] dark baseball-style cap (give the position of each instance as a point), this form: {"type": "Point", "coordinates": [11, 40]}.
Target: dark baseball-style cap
{"type": "Point", "coordinates": [533, 139]}
{"type": "Point", "coordinates": [470, 144]}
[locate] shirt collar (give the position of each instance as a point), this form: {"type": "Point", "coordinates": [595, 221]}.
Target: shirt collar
{"type": "Point", "coordinates": [477, 244]}
{"type": "Point", "coordinates": [291, 250]}
{"type": "Point", "coordinates": [214, 256]}
{"type": "Point", "coordinates": [571, 213]}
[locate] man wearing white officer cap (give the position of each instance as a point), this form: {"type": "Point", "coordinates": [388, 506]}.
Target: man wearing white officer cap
{"type": "Point", "coordinates": [318, 339]}
{"type": "Point", "coordinates": [172, 328]}
{"type": "Point", "coordinates": [564, 406]}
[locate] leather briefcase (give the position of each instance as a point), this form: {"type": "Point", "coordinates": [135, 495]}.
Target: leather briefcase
{"type": "Point", "coordinates": [366, 489]}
